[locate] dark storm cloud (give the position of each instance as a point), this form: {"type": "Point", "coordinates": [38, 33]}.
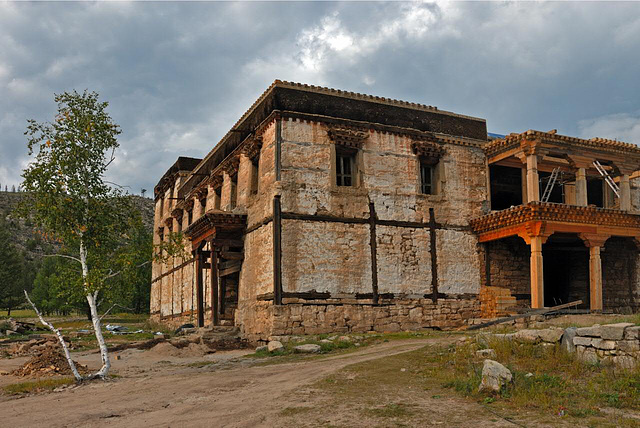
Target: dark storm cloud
{"type": "Point", "coordinates": [178, 75]}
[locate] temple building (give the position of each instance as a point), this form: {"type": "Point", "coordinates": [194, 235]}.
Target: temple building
{"type": "Point", "coordinates": [330, 211]}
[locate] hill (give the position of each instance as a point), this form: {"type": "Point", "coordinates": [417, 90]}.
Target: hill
{"type": "Point", "coordinates": [25, 235]}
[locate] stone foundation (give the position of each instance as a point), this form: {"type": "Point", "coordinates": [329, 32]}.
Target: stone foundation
{"type": "Point", "coordinates": [263, 320]}
{"type": "Point", "coordinates": [615, 343]}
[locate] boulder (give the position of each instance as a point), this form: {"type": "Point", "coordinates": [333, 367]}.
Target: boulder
{"type": "Point", "coordinates": [274, 345]}
{"type": "Point", "coordinates": [582, 341]}
{"type": "Point", "coordinates": [567, 339]}
{"type": "Point", "coordinates": [344, 339]}
{"type": "Point", "coordinates": [494, 376]}
{"type": "Point", "coordinates": [551, 335]}
{"type": "Point", "coordinates": [325, 341]}
{"type": "Point", "coordinates": [262, 348]}
{"type": "Point", "coordinates": [593, 331]}
{"type": "Point", "coordinates": [309, 348]}
{"type": "Point", "coordinates": [614, 331]}
{"type": "Point", "coordinates": [486, 353]}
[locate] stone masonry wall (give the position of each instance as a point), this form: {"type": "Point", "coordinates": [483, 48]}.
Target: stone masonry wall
{"type": "Point", "coordinates": [509, 266]}
{"type": "Point", "coordinates": [620, 288]}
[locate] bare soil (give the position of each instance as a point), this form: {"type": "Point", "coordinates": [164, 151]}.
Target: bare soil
{"type": "Point", "coordinates": [223, 390]}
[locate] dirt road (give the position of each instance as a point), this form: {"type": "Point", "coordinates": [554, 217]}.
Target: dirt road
{"type": "Point", "coordinates": [239, 396]}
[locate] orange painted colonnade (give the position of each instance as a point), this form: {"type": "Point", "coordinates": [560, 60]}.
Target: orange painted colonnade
{"type": "Point", "coordinates": [536, 221]}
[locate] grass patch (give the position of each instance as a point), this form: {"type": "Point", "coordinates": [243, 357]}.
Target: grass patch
{"type": "Point", "coordinates": [19, 313]}
{"type": "Point", "coordinates": [36, 386]}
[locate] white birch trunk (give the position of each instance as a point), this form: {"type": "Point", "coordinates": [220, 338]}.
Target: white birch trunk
{"type": "Point", "coordinates": [95, 318]}
{"type": "Point", "coordinates": [67, 354]}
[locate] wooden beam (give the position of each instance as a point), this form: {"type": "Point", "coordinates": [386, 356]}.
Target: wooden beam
{"type": "Point", "coordinates": [374, 251]}
{"type": "Point", "coordinates": [229, 255]}
{"type": "Point", "coordinates": [231, 270]}
{"type": "Point", "coordinates": [221, 242]}
{"type": "Point", "coordinates": [434, 255]}
{"type": "Point", "coordinates": [214, 287]}
{"type": "Point", "coordinates": [525, 315]}
{"type": "Point", "coordinates": [277, 250]}
{"type": "Point", "coordinates": [229, 264]}
{"type": "Point", "coordinates": [199, 291]}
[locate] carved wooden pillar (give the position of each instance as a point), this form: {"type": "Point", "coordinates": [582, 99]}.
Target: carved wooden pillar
{"type": "Point", "coordinates": [533, 179]}
{"type": "Point", "coordinates": [625, 193]}
{"type": "Point", "coordinates": [245, 174]}
{"type": "Point", "coordinates": [581, 187]}
{"type": "Point", "coordinates": [595, 243]}
{"type": "Point", "coordinates": [537, 273]}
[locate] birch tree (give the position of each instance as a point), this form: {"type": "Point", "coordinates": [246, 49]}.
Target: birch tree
{"type": "Point", "coordinates": [69, 198]}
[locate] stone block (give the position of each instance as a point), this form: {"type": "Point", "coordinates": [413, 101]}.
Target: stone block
{"type": "Point", "coordinates": [567, 339]}
{"type": "Point", "coordinates": [629, 346]}
{"type": "Point", "coordinates": [551, 335]}
{"type": "Point", "coordinates": [494, 376]}
{"type": "Point", "coordinates": [593, 331]}
{"type": "Point", "coordinates": [582, 341]}
{"type": "Point", "coordinates": [632, 333]}
{"type": "Point", "coordinates": [606, 345]}
{"type": "Point", "coordinates": [614, 331]}
{"type": "Point", "coordinates": [625, 362]}
{"type": "Point", "coordinates": [309, 348]}
{"type": "Point", "coordinates": [486, 353]}
{"type": "Point", "coordinates": [527, 336]}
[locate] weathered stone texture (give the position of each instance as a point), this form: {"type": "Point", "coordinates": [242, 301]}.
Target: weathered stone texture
{"type": "Point", "coordinates": [325, 257]}
{"type": "Point", "coordinates": [404, 260]}
{"type": "Point", "coordinates": [458, 262]}
{"type": "Point", "coordinates": [620, 273]}
{"type": "Point", "coordinates": [256, 276]}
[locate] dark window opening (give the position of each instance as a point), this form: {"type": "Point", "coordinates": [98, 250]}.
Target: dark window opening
{"type": "Point", "coordinates": [234, 192]}
{"type": "Point", "coordinates": [217, 195]}
{"type": "Point", "coordinates": [566, 270]}
{"type": "Point", "coordinates": [595, 192]}
{"type": "Point", "coordinates": [426, 179]}
{"type": "Point", "coordinates": [189, 216]}
{"type": "Point", "coordinates": [255, 176]}
{"type": "Point", "coordinates": [345, 168]}
{"type": "Point", "coordinates": [506, 186]}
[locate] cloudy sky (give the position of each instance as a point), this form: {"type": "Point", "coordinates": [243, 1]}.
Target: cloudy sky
{"type": "Point", "coordinates": [178, 75]}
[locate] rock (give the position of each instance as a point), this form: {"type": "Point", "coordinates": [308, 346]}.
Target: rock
{"type": "Point", "coordinates": [486, 353]}
{"type": "Point", "coordinates": [567, 339]}
{"type": "Point", "coordinates": [614, 331]}
{"type": "Point", "coordinates": [262, 348]}
{"type": "Point", "coordinates": [309, 348]}
{"type": "Point", "coordinates": [344, 339]}
{"type": "Point", "coordinates": [632, 333]}
{"type": "Point", "coordinates": [593, 331]}
{"type": "Point", "coordinates": [587, 355]}
{"type": "Point", "coordinates": [325, 341]}
{"type": "Point", "coordinates": [527, 336]}
{"type": "Point", "coordinates": [10, 332]}
{"type": "Point", "coordinates": [606, 345]}
{"type": "Point", "coordinates": [274, 345]}
{"type": "Point", "coordinates": [550, 335]}
{"type": "Point", "coordinates": [582, 341]}
{"type": "Point", "coordinates": [494, 376]}
{"type": "Point", "coordinates": [629, 345]}
{"type": "Point", "coordinates": [332, 337]}
{"type": "Point", "coordinates": [624, 362]}
{"type": "Point", "coordinates": [528, 375]}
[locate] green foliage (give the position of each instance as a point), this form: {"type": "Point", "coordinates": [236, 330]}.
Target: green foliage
{"type": "Point", "coordinates": [15, 272]}
{"type": "Point", "coordinates": [52, 292]}
{"type": "Point", "coordinates": [67, 194]}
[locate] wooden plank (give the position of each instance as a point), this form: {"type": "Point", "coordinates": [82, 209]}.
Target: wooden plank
{"type": "Point", "coordinates": [231, 255]}
{"type": "Point", "coordinates": [231, 270]}
{"type": "Point", "coordinates": [230, 264]}
{"type": "Point", "coordinates": [542, 311]}
{"type": "Point", "coordinates": [221, 242]}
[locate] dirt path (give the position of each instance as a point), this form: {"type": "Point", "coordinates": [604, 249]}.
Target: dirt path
{"type": "Point", "coordinates": [237, 397]}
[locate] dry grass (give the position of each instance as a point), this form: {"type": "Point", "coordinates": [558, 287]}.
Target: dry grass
{"type": "Point", "coordinates": [39, 385]}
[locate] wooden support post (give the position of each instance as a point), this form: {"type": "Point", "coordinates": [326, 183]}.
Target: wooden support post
{"type": "Point", "coordinates": [595, 279]}
{"type": "Point", "coordinates": [581, 188]}
{"type": "Point", "coordinates": [374, 252]}
{"type": "Point", "coordinates": [595, 242]}
{"type": "Point", "coordinates": [199, 291]}
{"type": "Point", "coordinates": [277, 250]}
{"type": "Point", "coordinates": [533, 180]}
{"type": "Point", "coordinates": [434, 255]}
{"type": "Point", "coordinates": [625, 193]}
{"type": "Point", "coordinates": [537, 274]}
{"type": "Point", "coordinates": [214, 286]}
